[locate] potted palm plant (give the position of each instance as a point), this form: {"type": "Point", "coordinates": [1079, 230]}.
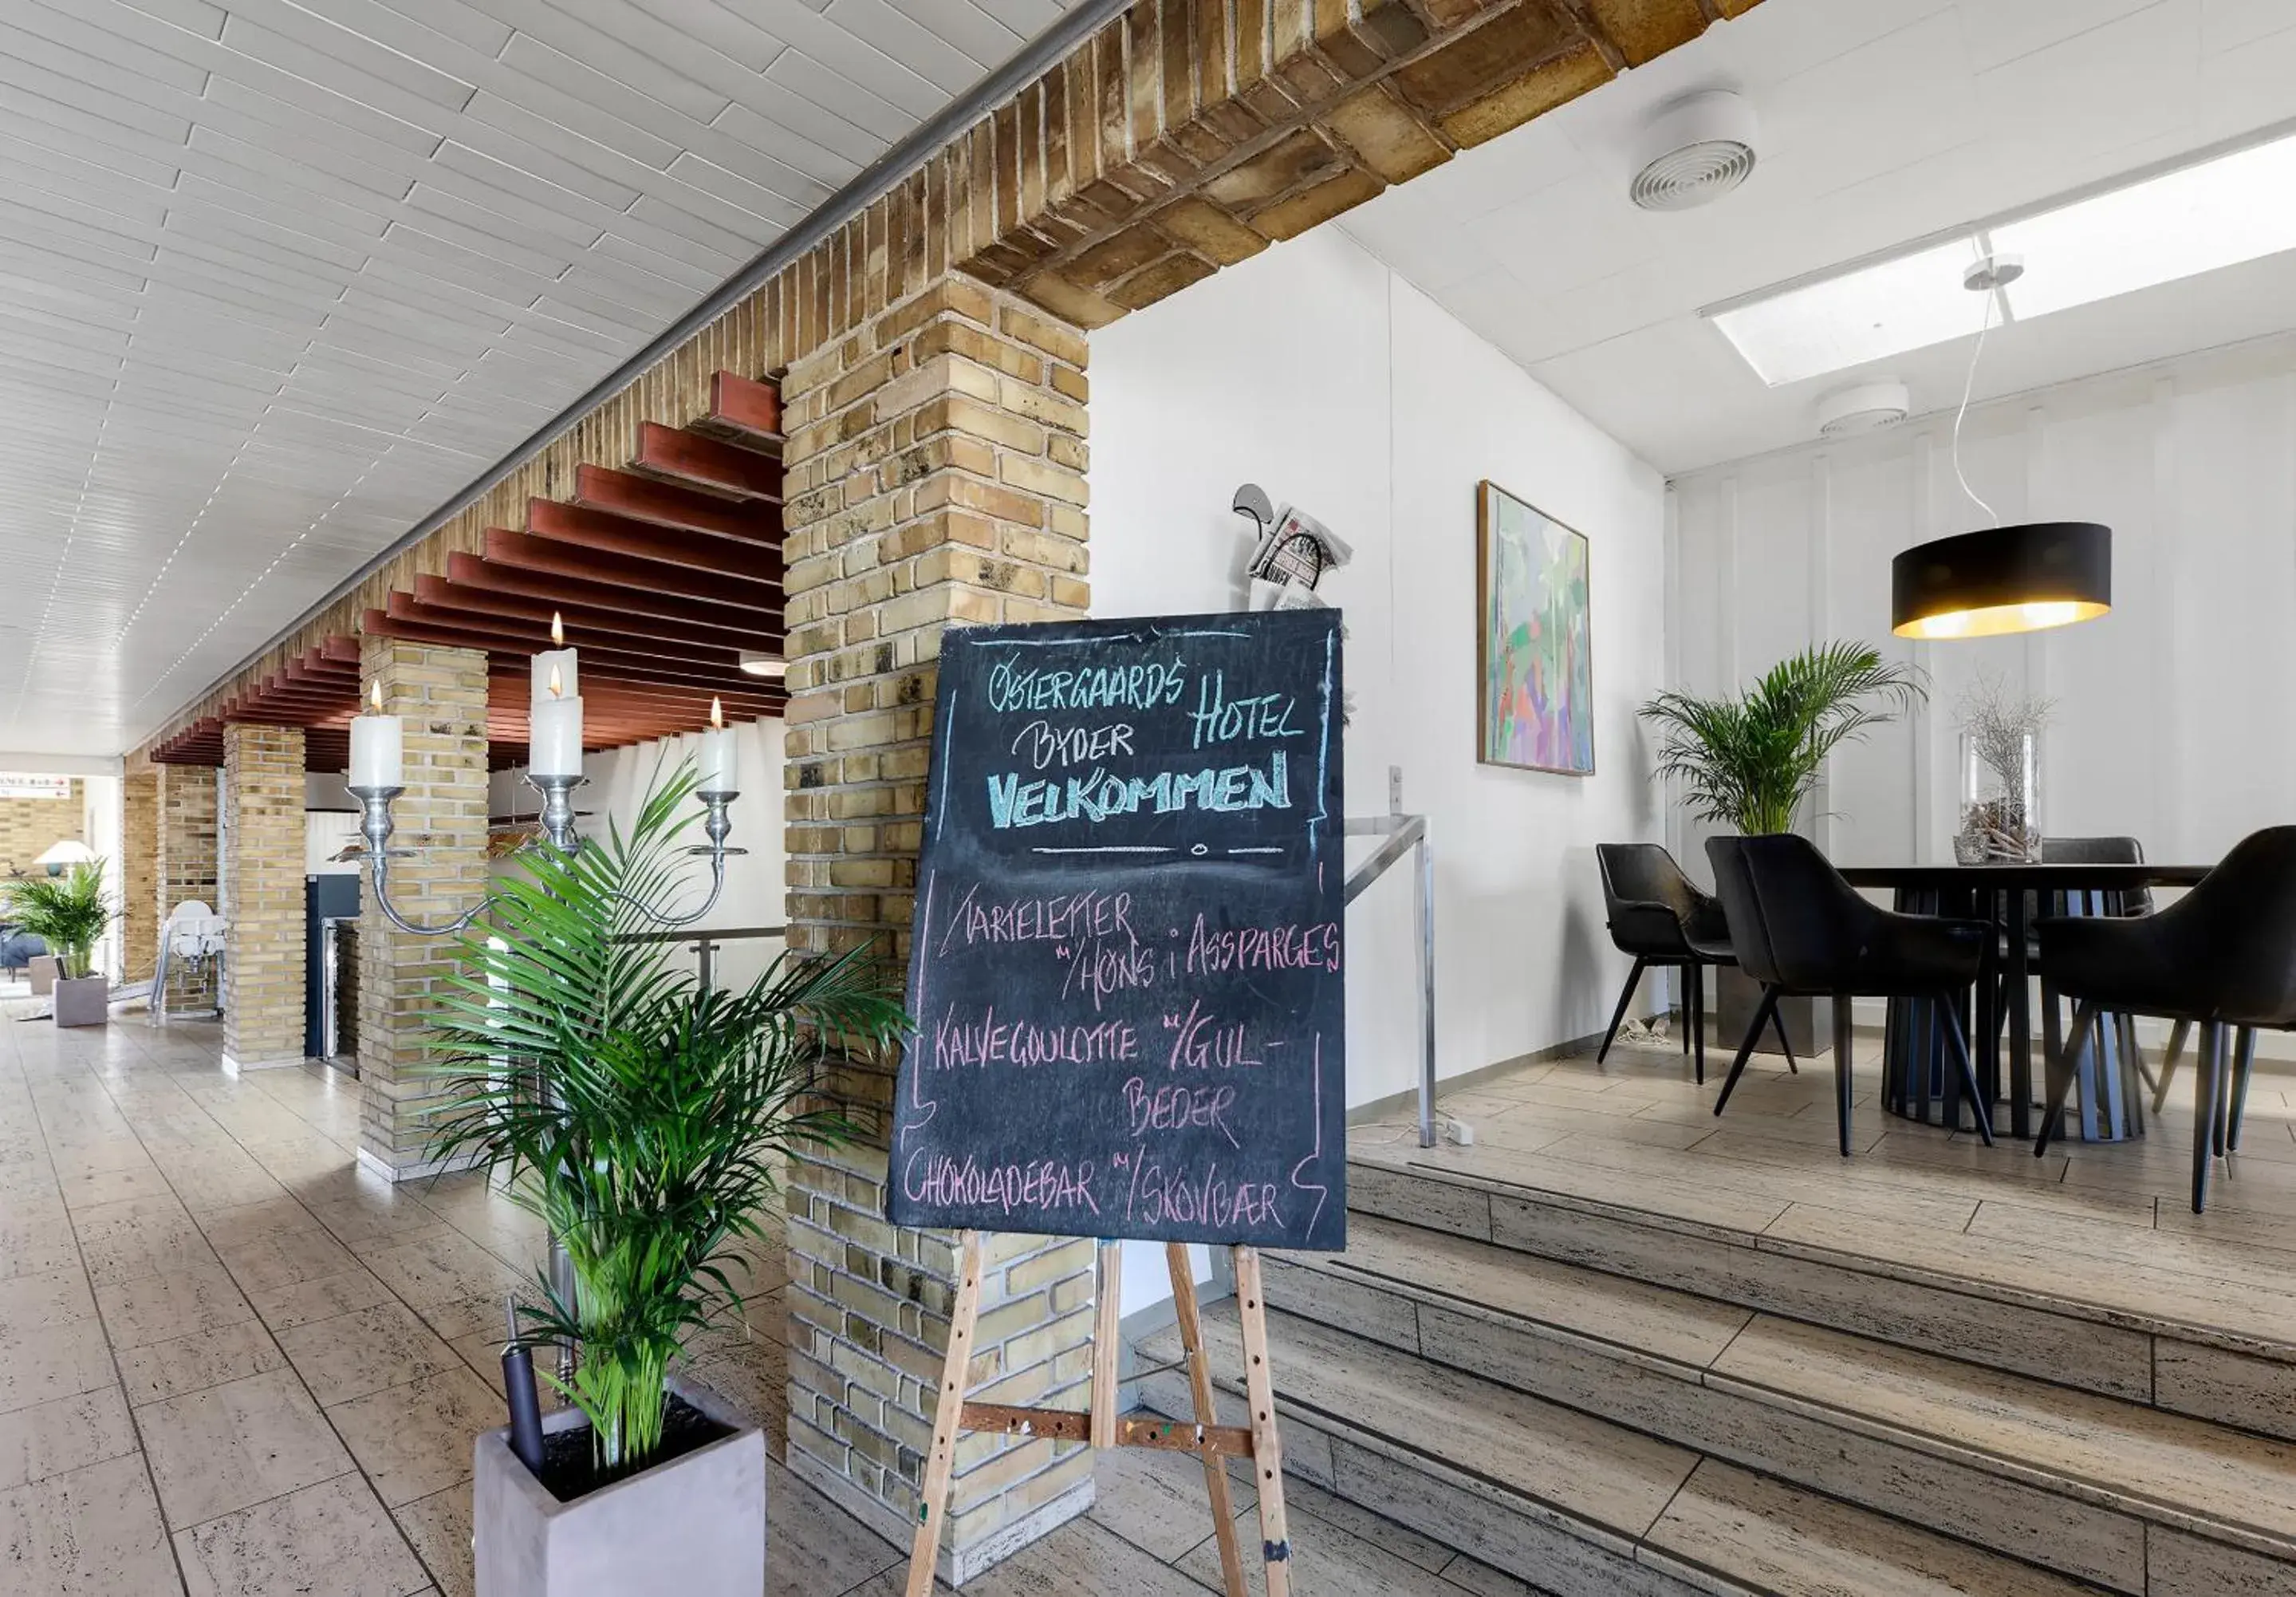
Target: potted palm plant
{"type": "Point", "coordinates": [645, 1119]}
{"type": "Point", "coordinates": [67, 912]}
{"type": "Point", "coordinates": [1750, 760]}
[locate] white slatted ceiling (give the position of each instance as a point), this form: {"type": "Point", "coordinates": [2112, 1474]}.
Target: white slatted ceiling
{"type": "Point", "coordinates": [276, 278]}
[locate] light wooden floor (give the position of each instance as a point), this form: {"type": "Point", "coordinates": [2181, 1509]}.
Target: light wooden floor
{"type": "Point", "coordinates": [232, 1363]}
{"type": "Point", "coordinates": [2103, 1224]}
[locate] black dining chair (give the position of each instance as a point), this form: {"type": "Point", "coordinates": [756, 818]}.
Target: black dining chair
{"type": "Point", "coordinates": [1658, 915]}
{"type": "Point", "coordinates": [1799, 929]}
{"type": "Point", "coordinates": [2222, 958]}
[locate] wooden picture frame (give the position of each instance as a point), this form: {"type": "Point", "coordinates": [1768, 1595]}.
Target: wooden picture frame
{"type": "Point", "coordinates": [1534, 638]}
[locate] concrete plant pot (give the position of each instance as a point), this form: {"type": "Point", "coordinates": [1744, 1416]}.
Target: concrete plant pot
{"type": "Point", "coordinates": [83, 1000]}
{"type": "Point", "coordinates": [40, 970]}
{"type": "Point", "coordinates": [695, 1525]}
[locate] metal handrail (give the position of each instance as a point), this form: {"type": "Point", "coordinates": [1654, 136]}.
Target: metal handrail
{"type": "Point", "coordinates": [1404, 834]}
{"type": "Point", "coordinates": [706, 943]}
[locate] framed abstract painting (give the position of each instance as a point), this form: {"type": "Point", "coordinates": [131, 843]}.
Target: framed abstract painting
{"type": "Point", "coordinates": [1534, 652]}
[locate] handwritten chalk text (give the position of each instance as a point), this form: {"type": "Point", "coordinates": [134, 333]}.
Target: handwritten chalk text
{"type": "Point", "coordinates": [1142, 686]}
{"type": "Point", "coordinates": [1014, 802]}
{"type": "Point", "coordinates": [1039, 1184]}
{"type": "Point", "coordinates": [959, 1042]}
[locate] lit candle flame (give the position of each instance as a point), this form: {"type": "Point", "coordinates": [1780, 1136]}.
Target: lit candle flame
{"type": "Point", "coordinates": [717, 711]}
{"type": "Point", "coordinates": [557, 688]}
{"type": "Point", "coordinates": [374, 695]}
{"type": "Point", "coordinates": [557, 630]}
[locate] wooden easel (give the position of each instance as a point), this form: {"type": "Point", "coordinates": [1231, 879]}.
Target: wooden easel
{"type": "Point", "coordinates": [1103, 1427]}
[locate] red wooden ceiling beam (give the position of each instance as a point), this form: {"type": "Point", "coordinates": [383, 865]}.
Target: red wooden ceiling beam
{"type": "Point", "coordinates": [510, 689]}
{"type": "Point", "coordinates": [702, 679]}
{"type": "Point", "coordinates": [682, 509]}
{"type": "Point", "coordinates": [708, 462]}
{"type": "Point", "coordinates": [589, 528]}
{"type": "Point", "coordinates": [472, 571]}
{"type": "Point", "coordinates": [509, 633]}
{"type": "Point", "coordinates": [742, 406]}
{"type": "Point", "coordinates": [529, 552]}
{"type": "Point", "coordinates": [585, 621]}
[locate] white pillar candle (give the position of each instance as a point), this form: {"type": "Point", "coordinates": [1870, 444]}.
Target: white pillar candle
{"type": "Point", "coordinates": [554, 737]}
{"type": "Point", "coordinates": [717, 756]}
{"type": "Point", "coordinates": [377, 748]}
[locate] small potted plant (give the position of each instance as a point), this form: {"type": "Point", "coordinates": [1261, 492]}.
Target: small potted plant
{"type": "Point", "coordinates": [67, 912]}
{"type": "Point", "coordinates": [645, 1119]}
{"type": "Point", "coordinates": [1750, 760]}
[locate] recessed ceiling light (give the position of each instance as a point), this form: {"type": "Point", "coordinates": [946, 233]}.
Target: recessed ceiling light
{"type": "Point", "coordinates": [2209, 214]}
{"type": "Point", "coordinates": [758, 664]}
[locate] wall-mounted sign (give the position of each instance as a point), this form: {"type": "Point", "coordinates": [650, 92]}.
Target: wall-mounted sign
{"type": "Point", "coordinates": [13, 786]}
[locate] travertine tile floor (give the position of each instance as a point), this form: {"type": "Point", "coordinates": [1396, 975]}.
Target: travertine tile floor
{"type": "Point", "coordinates": [233, 1366]}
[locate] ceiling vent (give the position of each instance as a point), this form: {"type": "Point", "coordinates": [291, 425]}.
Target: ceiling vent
{"type": "Point", "coordinates": [1862, 407]}
{"type": "Point", "coordinates": [1694, 150]}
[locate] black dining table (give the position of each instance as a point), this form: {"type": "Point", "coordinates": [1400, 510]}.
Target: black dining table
{"type": "Point", "coordinates": [1917, 1083]}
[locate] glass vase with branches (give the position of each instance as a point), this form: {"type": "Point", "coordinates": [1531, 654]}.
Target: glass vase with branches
{"type": "Point", "coordinates": [645, 1118]}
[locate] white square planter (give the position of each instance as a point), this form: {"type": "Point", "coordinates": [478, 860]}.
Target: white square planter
{"type": "Point", "coordinates": [83, 1000]}
{"type": "Point", "coordinates": [695, 1525]}
{"type": "Point", "coordinates": [41, 971]}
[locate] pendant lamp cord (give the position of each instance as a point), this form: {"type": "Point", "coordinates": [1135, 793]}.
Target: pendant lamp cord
{"type": "Point", "coordinates": [1968, 387]}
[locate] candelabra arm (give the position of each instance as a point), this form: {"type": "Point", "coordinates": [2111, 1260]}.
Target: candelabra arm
{"type": "Point", "coordinates": [716, 826]}
{"type": "Point", "coordinates": [375, 826]}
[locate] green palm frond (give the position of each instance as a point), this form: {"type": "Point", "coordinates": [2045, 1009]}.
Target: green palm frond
{"type": "Point", "coordinates": [645, 1118]}
{"type": "Point", "coordinates": [1750, 760]}
{"type": "Point", "coordinates": [66, 912]}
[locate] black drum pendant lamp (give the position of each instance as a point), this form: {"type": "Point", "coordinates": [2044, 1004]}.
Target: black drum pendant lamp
{"type": "Point", "coordinates": [2016, 578]}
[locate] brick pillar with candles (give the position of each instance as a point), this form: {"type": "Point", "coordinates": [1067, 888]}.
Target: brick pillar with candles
{"type": "Point", "coordinates": [440, 696]}
{"type": "Point", "coordinates": [936, 477]}
{"type": "Point", "coordinates": [264, 829]}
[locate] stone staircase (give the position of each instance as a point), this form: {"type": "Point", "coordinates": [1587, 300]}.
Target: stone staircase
{"type": "Point", "coordinates": [1602, 1400]}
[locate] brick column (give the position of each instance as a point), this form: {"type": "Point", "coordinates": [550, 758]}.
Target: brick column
{"type": "Point", "coordinates": [137, 873]}
{"type": "Point", "coordinates": [936, 473]}
{"type": "Point", "coordinates": [188, 865]}
{"type": "Point", "coordinates": [263, 965]}
{"type": "Point", "coordinates": [441, 694]}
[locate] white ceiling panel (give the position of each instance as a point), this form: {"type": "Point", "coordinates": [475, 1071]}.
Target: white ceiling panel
{"type": "Point", "coordinates": [278, 276]}
{"type": "Point", "coordinates": [1884, 122]}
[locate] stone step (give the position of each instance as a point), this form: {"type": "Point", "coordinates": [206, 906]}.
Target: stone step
{"type": "Point", "coordinates": [2108, 1491]}
{"type": "Point", "coordinates": [2055, 1304]}
{"type": "Point", "coordinates": [1575, 1505]}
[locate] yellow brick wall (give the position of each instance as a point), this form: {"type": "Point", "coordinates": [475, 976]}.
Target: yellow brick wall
{"type": "Point", "coordinates": [263, 967]}
{"type": "Point", "coordinates": [189, 866]}
{"type": "Point", "coordinates": [441, 695]}
{"type": "Point", "coordinates": [936, 477]}
{"type": "Point", "coordinates": [29, 827]}
{"type": "Point", "coordinates": [136, 873]}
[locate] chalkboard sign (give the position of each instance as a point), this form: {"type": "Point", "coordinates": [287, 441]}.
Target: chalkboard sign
{"type": "Point", "coordinates": [1126, 971]}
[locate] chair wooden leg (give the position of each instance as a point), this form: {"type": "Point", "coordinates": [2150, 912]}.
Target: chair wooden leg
{"type": "Point", "coordinates": [1842, 1066]}
{"type": "Point", "coordinates": [2208, 1092]}
{"type": "Point", "coordinates": [2178, 1034]}
{"type": "Point", "coordinates": [1762, 1013]}
{"type": "Point", "coordinates": [1957, 1039]}
{"type": "Point", "coordinates": [2061, 1066]}
{"type": "Point", "coordinates": [1626, 997]}
{"type": "Point", "coordinates": [2244, 1064]}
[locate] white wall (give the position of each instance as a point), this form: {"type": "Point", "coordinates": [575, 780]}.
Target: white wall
{"type": "Point", "coordinates": [1313, 370]}
{"type": "Point", "coordinates": [2173, 720]}
{"type": "Point", "coordinates": [756, 885]}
